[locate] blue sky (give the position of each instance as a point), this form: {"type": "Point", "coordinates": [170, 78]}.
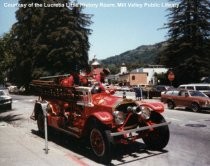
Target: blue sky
{"type": "Point", "coordinates": [115, 29]}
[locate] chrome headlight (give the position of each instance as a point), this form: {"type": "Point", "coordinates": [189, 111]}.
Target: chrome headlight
{"type": "Point", "coordinates": [145, 112]}
{"type": "Point", "coordinates": [119, 117]}
{"type": "Point", "coordinates": [134, 109]}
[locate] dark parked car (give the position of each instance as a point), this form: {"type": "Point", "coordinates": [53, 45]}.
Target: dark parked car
{"type": "Point", "coordinates": [156, 91]}
{"type": "Point", "coordinates": [5, 100]}
{"type": "Point", "coordinates": [195, 100]}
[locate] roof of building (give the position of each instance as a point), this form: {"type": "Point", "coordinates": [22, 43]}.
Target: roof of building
{"type": "Point", "coordinates": [133, 72]}
{"type": "Point", "coordinates": [95, 63]}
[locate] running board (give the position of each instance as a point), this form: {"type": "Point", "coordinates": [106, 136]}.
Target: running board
{"type": "Point", "coordinates": [67, 132]}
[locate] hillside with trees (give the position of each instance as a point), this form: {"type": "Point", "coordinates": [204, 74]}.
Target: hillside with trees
{"type": "Point", "coordinates": [186, 50]}
{"type": "Point", "coordinates": [139, 57]}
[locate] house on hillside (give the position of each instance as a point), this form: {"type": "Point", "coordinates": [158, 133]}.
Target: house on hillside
{"type": "Point", "coordinates": [133, 78]}
{"type": "Point", "coordinates": [152, 71]}
{"type": "Point", "coordinates": [140, 76]}
{"type": "Point", "coordinates": [128, 78]}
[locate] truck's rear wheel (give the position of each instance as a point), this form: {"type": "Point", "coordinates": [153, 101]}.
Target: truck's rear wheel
{"type": "Point", "coordinates": [100, 145]}
{"type": "Point", "coordinates": [9, 106]}
{"type": "Point", "coordinates": [159, 137]}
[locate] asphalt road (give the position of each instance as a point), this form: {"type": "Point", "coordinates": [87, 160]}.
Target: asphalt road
{"type": "Point", "coordinates": [20, 144]}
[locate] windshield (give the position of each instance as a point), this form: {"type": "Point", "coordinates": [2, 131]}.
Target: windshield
{"type": "Point", "coordinates": [197, 93]}
{"type": "Point", "coordinates": [202, 87]}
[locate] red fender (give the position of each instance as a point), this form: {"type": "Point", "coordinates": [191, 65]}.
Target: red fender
{"type": "Point", "coordinates": [158, 107]}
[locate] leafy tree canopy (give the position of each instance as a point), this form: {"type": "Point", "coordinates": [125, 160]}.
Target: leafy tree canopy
{"type": "Point", "coordinates": [188, 47]}
{"type": "Point", "coordinates": [6, 56]}
{"type": "Point", "coordinates": [49, 40]}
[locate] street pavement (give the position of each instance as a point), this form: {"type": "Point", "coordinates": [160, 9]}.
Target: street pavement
{"type": "Point", "coordinates": [21, 145]}
{"type": "Point", "coordinates": [19, 148]}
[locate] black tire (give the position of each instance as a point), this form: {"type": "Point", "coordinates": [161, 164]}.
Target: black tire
{"type": "Point", "coordinates": [100, 144]}
{"type": "Point", "coordinates": [159, 137]}
{"type": "Point", "coordinates": [195, 107]}
{"type": "Point", "coordinates": [170, 104]}
{"type": "Point", "coordinates": [40, 123]}
{"type": "Point", "coordinates": [9, 106]}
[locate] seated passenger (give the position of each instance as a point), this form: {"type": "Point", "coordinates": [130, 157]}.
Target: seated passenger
{"type": "Point", "coordinates": [100, 78]}
{"type": "Point", "coordinates": [67, 82]}
{"type": "Point", "coordinates": [97, 88]}
{"type": "Point", "coordinates": [83, 80]}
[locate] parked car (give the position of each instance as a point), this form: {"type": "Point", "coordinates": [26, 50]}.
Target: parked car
{"type": "Point", "coordinates": [156, 91]}
{"type": "Point", "coordinates": [125, 88]}
{"type": "Point", "coordinates": [205, 88]}
{"type": "Point", "coordinates": [13, 89]}
{"type": "Point", "coordinates": [5, 100]}
{"type": "Point", "coordinates": [5, 89]}
{"type": "Point", "coordinates": [99, 118]}
{"type": "Point", "coordinates": [195, 100]}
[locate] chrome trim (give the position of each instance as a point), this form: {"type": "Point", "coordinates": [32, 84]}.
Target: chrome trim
{"type": "Point", "coordinates": [139, 129]}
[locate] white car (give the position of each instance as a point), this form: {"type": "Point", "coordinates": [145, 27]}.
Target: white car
{"type": "Point", "coordinates": [205, 88]}
{"type": "Point", "coordinates": [13, 89]}
{"type": "Point", "coordinates": [5, 100]}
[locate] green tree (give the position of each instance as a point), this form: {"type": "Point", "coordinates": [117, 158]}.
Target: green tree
{"type": "Point", "coordinates": [49, 40]}
{"type": "Point", "coordinates": [24, 33]}
{"type": "Point", "coordinates": [63, 40]}
{"type": "Point", "coordinates": [6, 56]}
{"type": "Point", "coordinates": [188, 46]}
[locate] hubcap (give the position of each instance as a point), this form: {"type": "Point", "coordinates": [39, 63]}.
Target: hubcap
{"type": "Point", "coordinates": [194, 107]}
{"type": "Point", "coordinates": [170, 105]}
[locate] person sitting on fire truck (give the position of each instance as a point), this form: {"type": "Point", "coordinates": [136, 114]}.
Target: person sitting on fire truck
{"type": "Point", "coordinates": [99, 77]}
{"type": "Point", "coordinates": [67, 82]}
{"type": "Point", "coordinates": [70, 81]}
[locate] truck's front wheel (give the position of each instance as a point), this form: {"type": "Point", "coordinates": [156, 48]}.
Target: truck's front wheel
{"type": "Point", "coordinates": [100, 145]}
{"type": "Point", "coordinates": [159, 137]}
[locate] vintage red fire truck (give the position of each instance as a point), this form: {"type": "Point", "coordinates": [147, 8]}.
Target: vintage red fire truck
{"type": "Point", "coordinates": [100, 117]}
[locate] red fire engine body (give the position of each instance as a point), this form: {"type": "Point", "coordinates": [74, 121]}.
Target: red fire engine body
{"type": "Point", "coordinates": [102, 118]}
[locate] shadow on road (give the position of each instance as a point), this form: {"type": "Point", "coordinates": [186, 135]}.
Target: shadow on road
{"type": "Point", "coordinates": [135, 151]}
{"type": "Point", "coordinates": [5, 109]}
{"type": "Point", "coordinates": [10, 118]}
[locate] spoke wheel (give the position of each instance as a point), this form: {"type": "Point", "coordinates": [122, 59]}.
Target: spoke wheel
{"type": "Point", "coordinates": [97, 142]}
{"type": "Point", "coordinates": [100, 145]}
